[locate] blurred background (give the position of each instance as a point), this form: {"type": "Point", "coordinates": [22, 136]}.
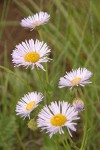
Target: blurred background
{"type": "Point", "coordinates": [73, 34]}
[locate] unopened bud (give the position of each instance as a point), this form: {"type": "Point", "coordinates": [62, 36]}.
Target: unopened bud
{"type": "Point", "coordinates": [78, 104]}
{"type": "Point", "coordinates": [32, 124]}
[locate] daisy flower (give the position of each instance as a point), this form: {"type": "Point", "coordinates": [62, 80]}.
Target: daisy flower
{"type": "Point", "coordinates": [76, 77]}
{"type": "Point", "coordinates": [36, 20]}
{"type": "Point", "coordinates": [78, 104]}
{"type": "Point", "coordinates": [30, 53]}
{"type": "Point", "coordinates": [27, 103]}
{"type": "Point", "coordinates": [57, 115]}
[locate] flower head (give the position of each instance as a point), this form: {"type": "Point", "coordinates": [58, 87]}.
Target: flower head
{"type": "Point", "coordinates": [27, 103]}
{"type": "Point", "coordinates": [57, 115]}
{"type": "Point", "coordinates": [78, 104]}
{"type": "Point", "coordinates": [76, 77]}
{"type": "Point", "coordinates": [36, 20]}
{"type": "Point", "coordinates": [30, 53]}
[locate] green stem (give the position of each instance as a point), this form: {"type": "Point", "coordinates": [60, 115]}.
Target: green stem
{"type": "Point", "coordinates": [68, 147]}
{"type": "Point", "coordinates": [71, 141]}
{"type": "Point", "coordinates": [73, 144]}
{"type": "Point", "coordinates": [86, 124]}
{"type": "Point", "coordinates": [40, 78]}
{"type": "Point", "coordinates": [47, 75]}
{"type": "Point", "coordinates": [56, 142]}
{"type": "Point", "coordinates": [76, 92]}
{"type": "Point", "coordinates": [20, 141]}
{"type": "Point", "coordinates": [11, 72]}
{"type": "Point", "coordinates": [46, 66]}
{"type": "Point", "coordinates": [62, 141]}
{"type": "Point", "coordinates": [40, 34]}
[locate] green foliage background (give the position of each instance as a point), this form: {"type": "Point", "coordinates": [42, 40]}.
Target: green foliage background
{"type": "Point", "coordinates": [73, 34]}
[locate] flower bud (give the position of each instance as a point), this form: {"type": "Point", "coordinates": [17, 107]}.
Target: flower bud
{"type": "Point", "coordinates": [78, 104]}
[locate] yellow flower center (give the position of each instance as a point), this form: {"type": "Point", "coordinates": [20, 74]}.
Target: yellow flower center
{"type": "Point", "coordinates": [58, 120]}
{"type": "Point", "coordinates": [32, 57]}
{"type": "Point", "coordinates": [30, 105]}
{"type": "Point", "coordinates": [75, 81]}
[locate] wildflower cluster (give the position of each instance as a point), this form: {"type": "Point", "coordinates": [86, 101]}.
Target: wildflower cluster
{"type": "Point", "coordinates": [57, 114]}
